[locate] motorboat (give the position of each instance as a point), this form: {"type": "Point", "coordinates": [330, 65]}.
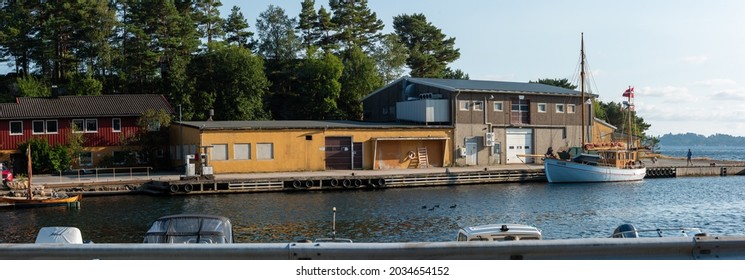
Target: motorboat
{"type": "Point", "coordinates": [631, 231]}
{"type": "Point", "coordinates": [59, 235]}
{"type": "Point", "coordinates": [499, 232]}
{"type": "Point", "coordinates": [190, 228]}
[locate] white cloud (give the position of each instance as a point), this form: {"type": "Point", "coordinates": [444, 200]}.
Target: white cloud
{"type": "Point", "coordinates": [700, 59]}
{"type": "Point", "coordinates": [671, 93]}
{"type": "Point", "coordinates": [716, 82]}
{"type": "Point", "coordinates": [730, 94]}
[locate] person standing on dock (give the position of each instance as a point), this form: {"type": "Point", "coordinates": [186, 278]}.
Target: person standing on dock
{"type": "Point", "coordinates": [688, 157]}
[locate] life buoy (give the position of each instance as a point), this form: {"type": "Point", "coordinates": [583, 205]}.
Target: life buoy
{"type": "Point", "coordinates": [297, 184]}
{"type": "Point", "coordinates": [411, 155]}
{"type": "Point", "coordinates": [188, 188]}
{"type": "Point", "coordinates": [381, 182]}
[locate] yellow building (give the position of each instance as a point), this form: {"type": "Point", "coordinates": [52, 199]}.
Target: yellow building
{"type": "Point", "coordinates": [275, 146]}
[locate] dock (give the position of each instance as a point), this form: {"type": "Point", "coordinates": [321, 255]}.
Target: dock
{"type": "Point", "coordinates": [174, 184]}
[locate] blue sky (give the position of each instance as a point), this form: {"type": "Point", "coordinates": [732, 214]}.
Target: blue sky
{"type": "Point", "coordinates": [685, 59]}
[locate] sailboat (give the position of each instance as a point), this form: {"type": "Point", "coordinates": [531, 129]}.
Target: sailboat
{"type": "Point", "coordinates": [602, 162]}
{"type": "Point", "coordinates": [30, 201]}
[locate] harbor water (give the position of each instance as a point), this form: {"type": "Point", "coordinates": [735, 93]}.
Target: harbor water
{"type": "Point", "coordinates": [714, 204]}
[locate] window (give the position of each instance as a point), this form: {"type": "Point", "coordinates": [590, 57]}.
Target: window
{"type": "Point", "coordinates": [478, 105]}
{"type": "Point", "coordinates": [219, 152]}
{"type": "Point", "coordinates": [91, 125]}
{"type": "Point", "coordinates": [52, 126]}
{"type": "Point", "coordinates": [498, 106]}
{"type": "Point", "coordinates": [465, 105]}
{"type": "Point", "coordinates": [77, 125]}
{"type": "Point", "coordinates": [560, 108]}
{"type": "Point", "coordinates": [116, 125]}
{"type": "Point", "coordinates": [38, 127]}
{"type": "Point", "coordinates": [85, 159]}
{"type": "Point", "coordinates": [265, 151]}
{"type": "Point", "coordinates": [241, 151]}
{"type": "Point", "coordinates": [541, 107]}
{"type": "Point", "coordinates": [153, 126]}
{"type": "Point", "coordinates": [16, 128]}
{"type": "Point", "coordinates": [571, 108]}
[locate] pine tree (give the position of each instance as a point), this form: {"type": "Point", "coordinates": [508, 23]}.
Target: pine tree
{"type": "Point", "coordinates": [236, 29]}
{"type": "Point", "coordinates": [356, 24]}
{"type": "Point", "coordinates": [429, 50]}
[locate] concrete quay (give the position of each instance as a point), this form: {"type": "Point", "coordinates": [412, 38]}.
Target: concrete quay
{"type": "Point", "coordinates": [91, 183]}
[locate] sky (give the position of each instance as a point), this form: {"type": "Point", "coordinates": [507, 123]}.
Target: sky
{"type": "Point", "coordinates": [685, 59]}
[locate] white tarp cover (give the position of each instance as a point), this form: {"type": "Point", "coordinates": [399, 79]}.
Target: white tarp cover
{"type": "Point", "coordinates": [66, 235]}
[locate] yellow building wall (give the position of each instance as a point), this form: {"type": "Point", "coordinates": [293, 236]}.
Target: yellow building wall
{"type": "Point", "coordinates": [602, 133]}
{"type": "Point", "coordinates": [292, 152]}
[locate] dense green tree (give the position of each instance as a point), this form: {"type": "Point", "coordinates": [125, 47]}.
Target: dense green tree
{"type": "Point", "coordinates": [308, 20]}
{"type": "Point", "coordinates": [84, 84]}
{"type": "Point", "coordinates": [236, 29]}
{"type": "Point", "coordinates": [563, 83]}
{"type": "Point", "coordinates": [232, 82]}
{"type": "Point", "coordinates": [17, 35]}
{"type": "Point", "coordinates": [429, 50]}
{"type": "Point", "coordinates": [319, 76]}
{"type": "Point", "coordinates": [30, 86]}
{"type": "Point", "coordinates": [358, 79]}
{"type": "Point", "coordinates": [208, 20]}
{"type": "Point", "coordinates": [390, 57]}
{"type": "Point", "coordinates": [356, 24]}
{"type": "Point", "coordinates": [277, 39]}
{"type": "Point", "coordinates": [456, 74]}
{"type": "Point", "coordinates": [325, 28]}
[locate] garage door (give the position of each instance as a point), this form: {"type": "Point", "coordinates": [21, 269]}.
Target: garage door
{"type": "Point", "coordinates": [339, 153]}
{"type": "Point", "coordinates": [519, 142]}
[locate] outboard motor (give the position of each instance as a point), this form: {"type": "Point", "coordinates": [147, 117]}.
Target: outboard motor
{"type": "Point", "coordinates": [625, 231]}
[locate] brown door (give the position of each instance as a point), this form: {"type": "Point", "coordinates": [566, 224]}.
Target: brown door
{"type": "Point", "coordinates": [339, 153]}
{"type": "Point", "coordinates": [357, 156]}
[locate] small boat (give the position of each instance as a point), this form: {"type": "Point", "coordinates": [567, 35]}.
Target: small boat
{"type": "Point", "coordinates": [40, 201]}
{"type": "Point", "coordinates": [499, 232]}
{"type": "Point", "coordinates": [29, 200]}
{"type": "Point", "coordinates": [190, 228]}
{"type": "Point", "coordinates": [630, 231]}
{"type": "Point", "coordinates": [604, 162]}
{"type": "Point", "coordinates": [63, 235]}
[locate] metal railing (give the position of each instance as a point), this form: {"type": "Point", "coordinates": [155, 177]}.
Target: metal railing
{"type": "Point", "coordinates": [108, 174]}
{"type": "Point", "coordinates": [660, 248]}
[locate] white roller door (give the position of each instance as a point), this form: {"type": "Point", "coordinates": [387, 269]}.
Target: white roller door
{"type": "Point", "coordinates": [519, 142]}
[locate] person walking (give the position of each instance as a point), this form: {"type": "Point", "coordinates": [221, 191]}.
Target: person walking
{"type": "Point", "coordinates": [688, 157]}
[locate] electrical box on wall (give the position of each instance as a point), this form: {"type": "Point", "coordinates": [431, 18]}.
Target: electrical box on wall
{"type": "Point", "coordinates": [489, 139]}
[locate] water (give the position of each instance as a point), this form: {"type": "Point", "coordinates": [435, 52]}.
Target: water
{"type": "Point", "coordinates": [734, 153]}
{"type": "Point", "coordinates": [714, 204]}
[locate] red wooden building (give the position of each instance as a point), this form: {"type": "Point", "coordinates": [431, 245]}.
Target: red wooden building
{"type": "Point", "coordinates": [104, 120]}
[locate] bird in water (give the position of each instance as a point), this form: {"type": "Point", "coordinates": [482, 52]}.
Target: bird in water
{"type": "Point", "coordinates": [453, 206]}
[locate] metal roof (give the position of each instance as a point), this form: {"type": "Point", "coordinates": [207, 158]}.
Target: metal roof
{"type": "Point", "coordinates": [295, 124]}
{"type": "Point", "coordinates": [83, 106]}
{"type": "Point", "coordinates": [455, 85]}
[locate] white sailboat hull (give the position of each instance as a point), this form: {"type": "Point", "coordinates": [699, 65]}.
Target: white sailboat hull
{"type": "Point", "coordinates": [561, 171]}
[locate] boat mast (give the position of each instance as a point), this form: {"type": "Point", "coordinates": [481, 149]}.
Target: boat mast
{"type": "Point", "coordinates": [582, 82]}
{"type": "Point", "coordinates": [629, 123]}
{"type": "Point", "coordinates": [28, 156]}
